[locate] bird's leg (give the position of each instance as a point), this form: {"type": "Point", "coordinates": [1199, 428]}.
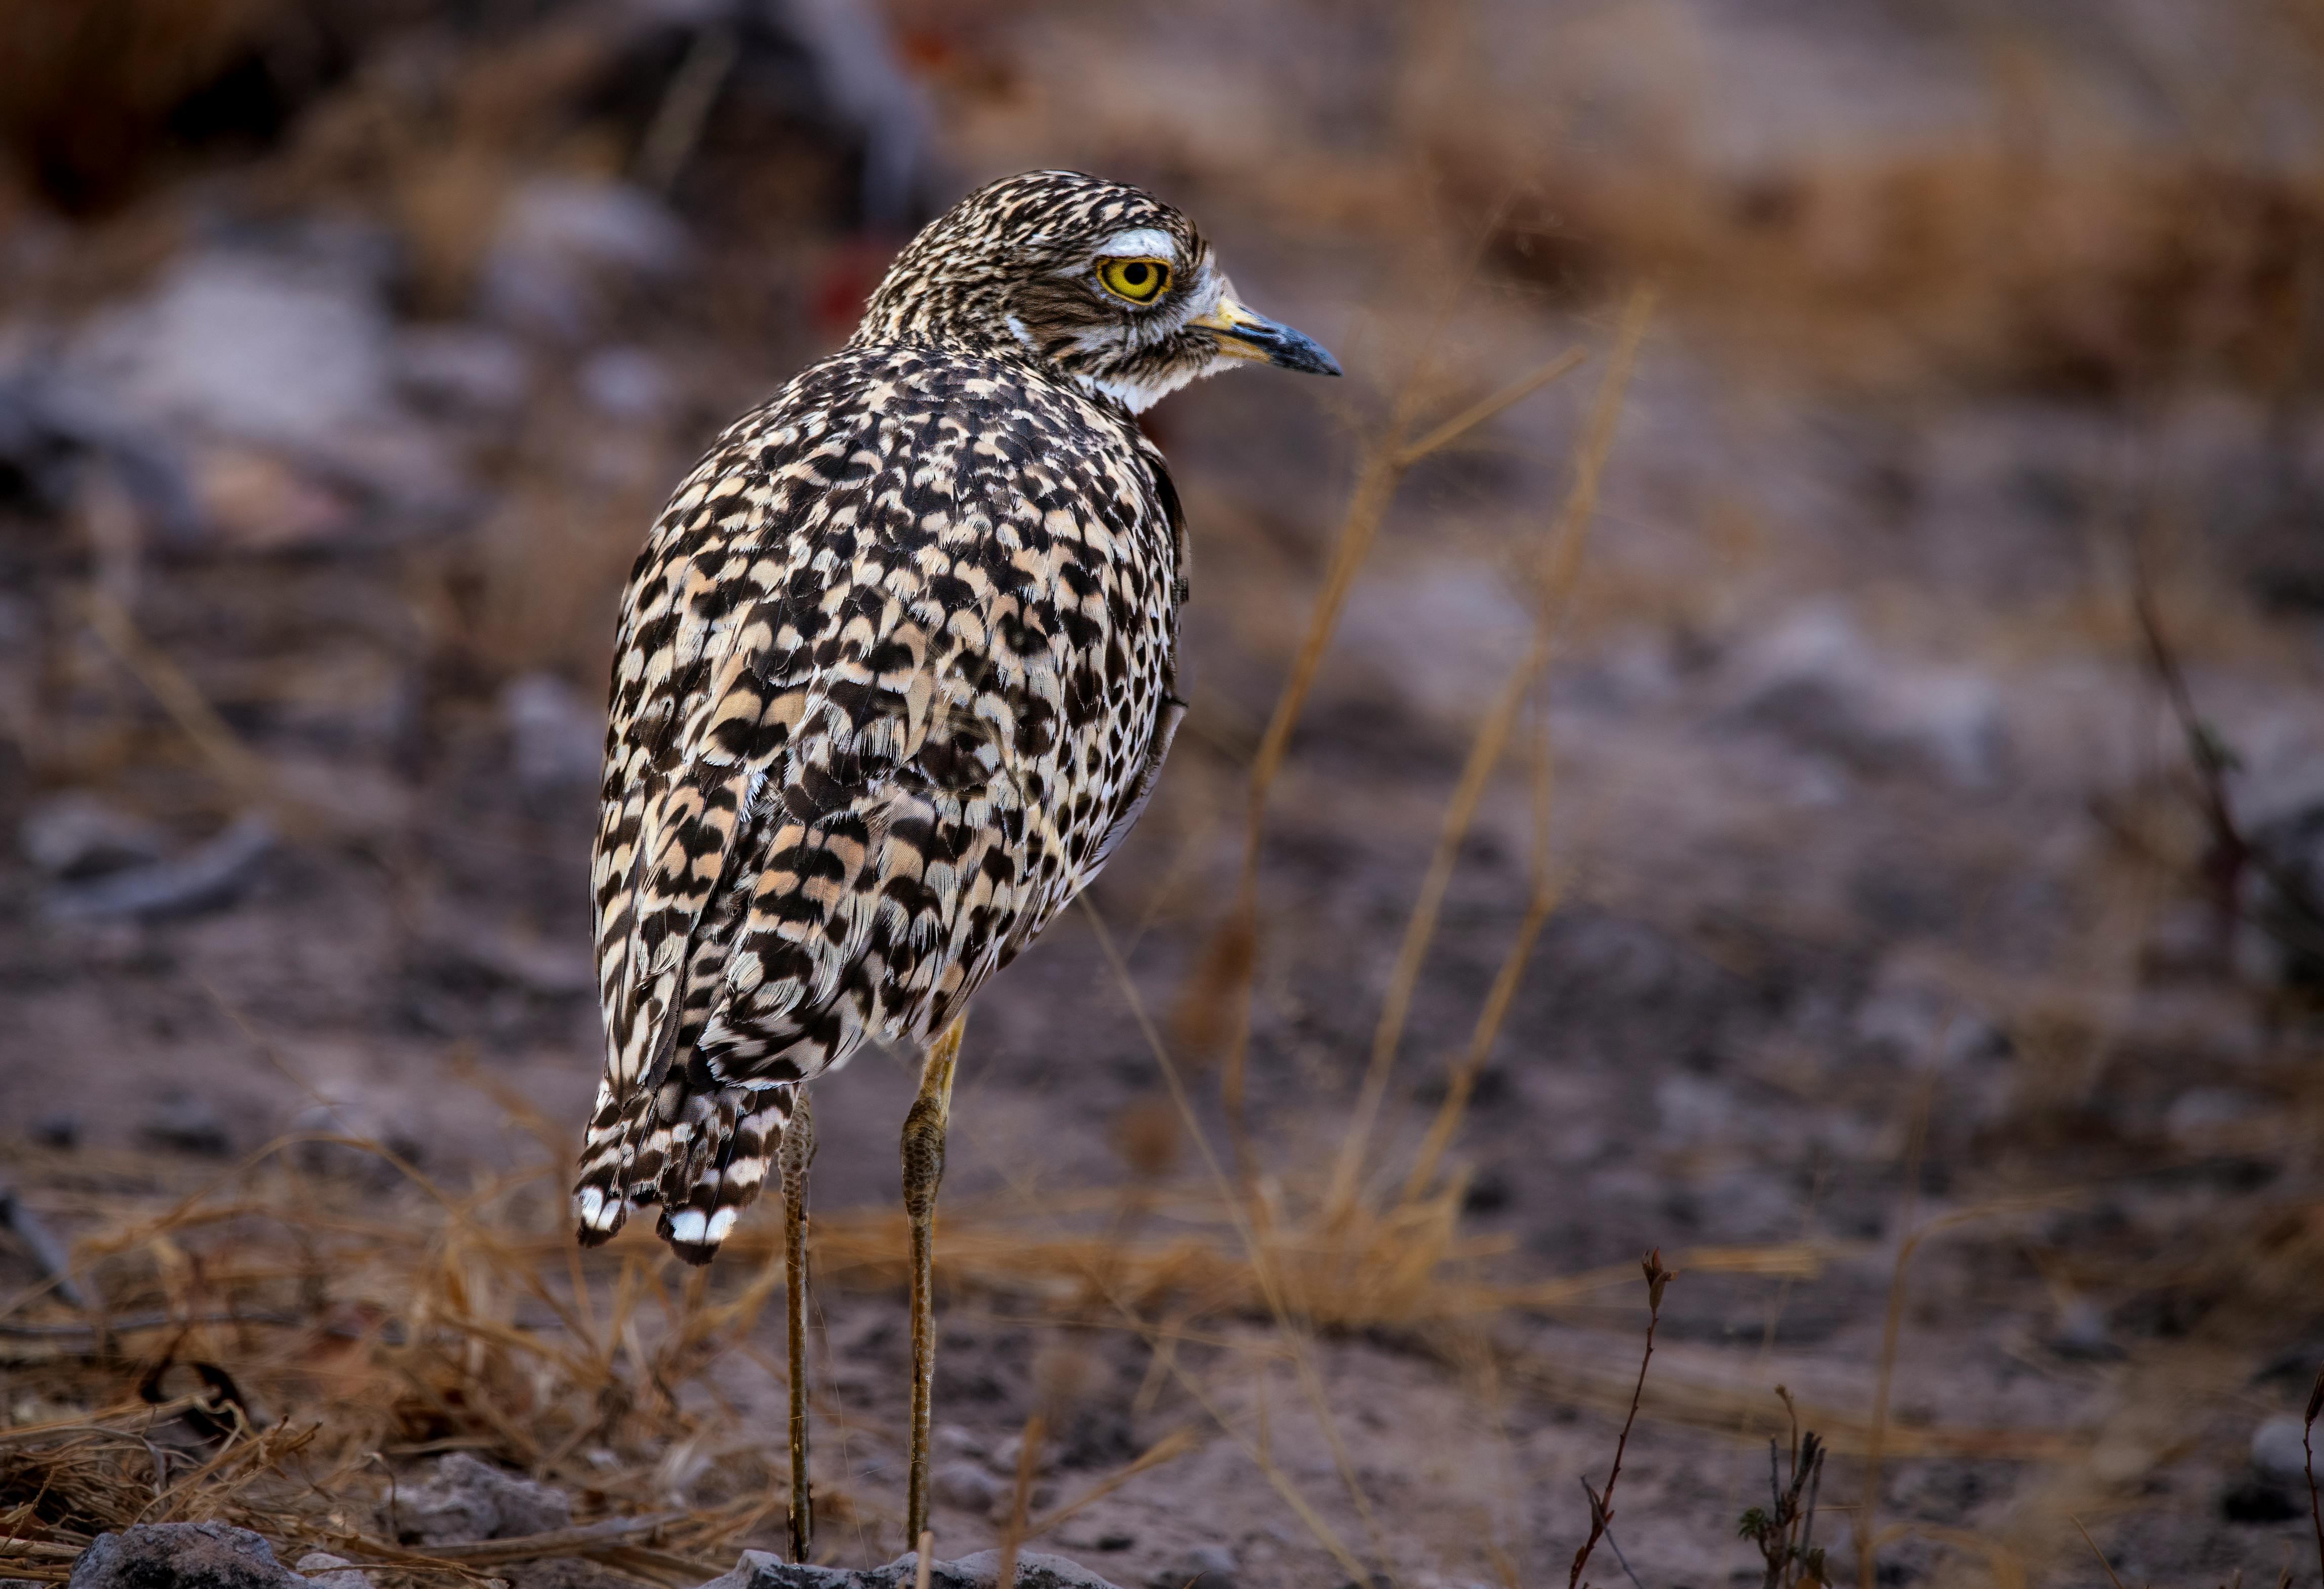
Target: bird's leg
{"type": "Point", "coordinates": [924, 1159]}
{"type": "Point", "coordinates": [798, 1153]}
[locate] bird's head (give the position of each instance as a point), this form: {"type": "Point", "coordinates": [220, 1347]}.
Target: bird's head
{"type": "Point", "coordinates": [1105, 281]}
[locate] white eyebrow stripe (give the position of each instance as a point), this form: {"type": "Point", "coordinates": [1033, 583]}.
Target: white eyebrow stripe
{"type": "Point", "coordinates": [1144, 241]}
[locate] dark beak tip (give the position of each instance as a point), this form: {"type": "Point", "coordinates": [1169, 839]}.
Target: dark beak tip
{"type": "Point", "coordinates": [1287, 349]}
{"type": "Point", "coordinates": [1296, 350]}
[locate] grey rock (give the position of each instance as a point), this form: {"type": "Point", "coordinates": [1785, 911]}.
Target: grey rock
{"type": "Point", "coordinates": [2083, 1332]}
{"type": "Point", "coordinates": [2277, 1451]}
{"type": "Point", "coordinates": [2200, 1116]}
{"type": "Point", "coordinates": [52, 427]}
{"type": "Point", "coordinates": [254, 344]}
{"type": "Point", "coordinates": [1819, 682]}
{"type": "Point", "coordinates": [466, 1500]}
{"type": "Point", "coordinates": [758, 1569]}
{"type": "Point", "coordinates": [952, 1440]}
{"type": "Point", "coordinates": [181, 1555]}
{"type": "Point", "coordinates": [210, 874]}
{"type": "Point", "coordinates": [964, 1484]}
{"type": "Point", "coordinates": [188, 1123]}
{"type": "Point", "coordinates": [544, 967]}
{"type": "Point", "coordinates": [1005, 1455]}
{"type": "Point", "coordinates": [562, 240]}
{"type": "Point", "coordinates": [555, 738]}
{"type": "Point", "coordinates": [465, 369]}
{"type": "Point", "coordinates": [345, 1161]}
{"type": "Point", "coordinates": [866, 89]}
{"type": "Point", "coordinates": [333, 1572]}
{"type": "Point", "coordinates": [76, 835]}
{"type": "Point", "coordinates": [1199, 1566]}
{"type": "Point", "coordinates": [626, 384]}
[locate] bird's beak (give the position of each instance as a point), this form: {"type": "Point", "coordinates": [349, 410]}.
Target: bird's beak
{"type": "Point", "coordinates": [1245, 335]}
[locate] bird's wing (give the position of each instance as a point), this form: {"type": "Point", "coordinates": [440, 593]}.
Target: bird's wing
{"type": "Point", "coordinates": [888, 677]}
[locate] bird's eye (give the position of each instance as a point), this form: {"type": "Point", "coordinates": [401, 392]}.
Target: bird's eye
{"type": "Point", "coordinates": [1141, 280]}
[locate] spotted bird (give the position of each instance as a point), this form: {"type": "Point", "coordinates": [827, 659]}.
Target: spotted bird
{"type": "Point", "coordinates": [895, 675]}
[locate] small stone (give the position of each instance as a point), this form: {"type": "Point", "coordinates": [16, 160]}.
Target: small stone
{"type": "Point", "coordinates": [2200, 1116]}
{"type": "Point", "coordinates": [333, 1572]}
{"type": "Point", "coordinates": [466, 1500]}
{"type": "Point", "coordinates": [75, 835]}
{"type": "Point", "coordinates": [2083, 1332]}
{"type": "Point", "coordinates": [760, 1570]}
{"type": "Point", "coordinates": [464, 369]}
{"type": "Point", "coordinates": [1004, 1455]}
{"type": "Point", "coordinates": [2277, 1451]}
{"type": "Point", "coordinates": [254, 345]}
{"type": "Point", "coordinates": [181, 1555]}
{"type": "Point", "coordinates": [561, 240]}
{"type": "Point", "coordinates": [626, 384]}
{"type": "Point", "coordinates": [555, 738]}
{"type": "Point", "coordinates": [964, 1484]}
{"type": "Point", "coordinates": [1199, 1566]}
{"type": "Point", "coordinates": [188, 1123]}
{"type": "Point", "coordinates": [1115, 1539]}
{"type": "Point", "coordinates": [342, 1159]}
{"type": "Point", "coordinates": [210, 874]}
{"type": "Point", "coordinates": [952, 1440]}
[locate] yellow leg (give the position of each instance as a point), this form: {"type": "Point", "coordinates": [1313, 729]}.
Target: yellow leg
{"type": "Point", "coordinates": [798, 1153]}
{"type": "Point", "coordinates": [924, 1159]}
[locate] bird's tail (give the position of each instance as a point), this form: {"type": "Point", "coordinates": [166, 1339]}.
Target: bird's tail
{"type": "Point", "coordinates": [703, 1157]}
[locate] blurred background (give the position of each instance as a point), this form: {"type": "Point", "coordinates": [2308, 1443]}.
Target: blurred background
{"type": "Point", "coordinates": [1827, 781]}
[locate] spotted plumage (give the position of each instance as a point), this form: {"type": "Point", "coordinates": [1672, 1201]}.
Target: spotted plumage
{"type": "Point", "coordinates": [896, 672]}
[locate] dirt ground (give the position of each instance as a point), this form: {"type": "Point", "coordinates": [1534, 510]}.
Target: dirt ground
{"type": "Point", "coordinates": [1924, 786]}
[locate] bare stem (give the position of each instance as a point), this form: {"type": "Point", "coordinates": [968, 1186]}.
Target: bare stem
{"type": "Point", "coordinates": [1601, 1505]}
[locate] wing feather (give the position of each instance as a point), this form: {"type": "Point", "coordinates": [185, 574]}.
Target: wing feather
{"type": "Point", "coordinates": [893, 679]}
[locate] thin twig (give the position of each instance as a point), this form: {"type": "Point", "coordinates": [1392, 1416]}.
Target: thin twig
{"type": "Point", "coordinates": [1020, 1496]}
{"type": "Point", "coordinates": [2104, 1564]}
{"type": "Point", "coordinates": [1612, 1544]}
{"type": "Point", "coordinates": [1892, 1325]}
{"type": "Point", "coordinates": [235, 764]}
{"type": "Point", "coordinates": [51, 1256]}
{"type": "Point", "coordinates": [1601, 1506]}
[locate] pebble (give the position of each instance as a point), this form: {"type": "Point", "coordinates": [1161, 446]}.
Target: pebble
{"type": "Point", "coordinates": [188, 1123]}
{"type": "Point", "coordinates": [964, 1484]}
{"type": "Point", "coordinates": [181, 1555]}
{"type": "Point", "coordinates": [75, 835]}
{"type": "Point", "coordinates": [1199, 1566]}
{"type": "Point", "coordinates": [333, 1572]}
{"type": "Point", "coordinates": [2275, 1449]}
{"type": "Point", "coordinates": [466, 1500]}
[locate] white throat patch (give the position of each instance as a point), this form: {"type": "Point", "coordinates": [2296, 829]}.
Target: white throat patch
{"type": "Point", "coordinates": [1139, 396]}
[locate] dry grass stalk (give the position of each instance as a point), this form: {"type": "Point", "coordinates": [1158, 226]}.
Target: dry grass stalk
{"type": "Point", "coordinates": [236, 765]}
{"type": "Point", "coordinates": [1559, 562]}
{"type": "Point", "coordinates": [1385, 467]}
{"type": "Point", "coordinates": [1029, 1440]}
{"type": "Point", "coordinates": [1601, 1501]}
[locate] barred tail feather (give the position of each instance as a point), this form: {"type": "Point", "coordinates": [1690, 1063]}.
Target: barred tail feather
{"type": "Point", "coordinates": [703, 1157]}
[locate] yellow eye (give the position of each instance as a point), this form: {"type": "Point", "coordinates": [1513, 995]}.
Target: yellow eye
{"type": "Point", "coordinates": [1141, 280]}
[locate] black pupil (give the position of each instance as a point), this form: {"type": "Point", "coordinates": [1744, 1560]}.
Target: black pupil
{"type": "Point", "coordinates": [1135, 275]}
